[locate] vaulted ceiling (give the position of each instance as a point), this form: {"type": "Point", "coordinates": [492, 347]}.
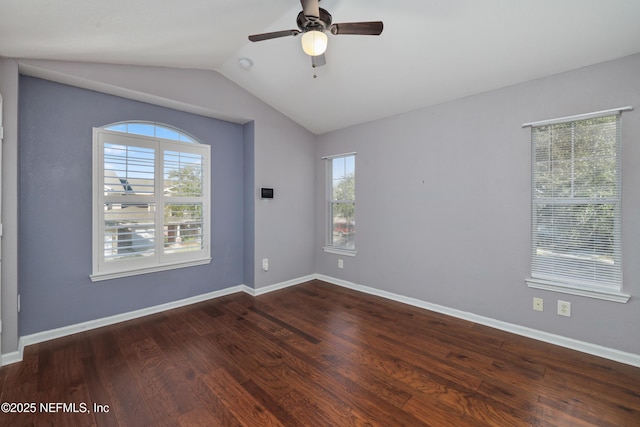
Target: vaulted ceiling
{"type": "Point", "coordinates": [430, 52]}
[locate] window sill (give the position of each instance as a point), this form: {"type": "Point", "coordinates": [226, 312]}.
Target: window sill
{"type": "Point", "coordinates": [97, 277]}
{"type": "Point", "coordinates": [577, 290]}
{"type": "Point", "coordinates": [339, 251]}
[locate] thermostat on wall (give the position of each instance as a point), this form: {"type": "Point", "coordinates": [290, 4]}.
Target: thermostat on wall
{"type": "Point", "coordinates": [266, 193]}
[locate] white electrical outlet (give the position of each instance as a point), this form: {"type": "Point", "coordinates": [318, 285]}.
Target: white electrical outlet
{"type": "Point", "coordinates": [564, 308]}
{"type": "Point", "coordinates": [538, 304]}
{"type": "Point", "coordinates": [340, 264]}
{"type": "Point", "coordinates": [265, 264]}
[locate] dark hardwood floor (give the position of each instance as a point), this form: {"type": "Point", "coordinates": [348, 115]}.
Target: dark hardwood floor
{"type": "Point", "coordinates": [313, 355]}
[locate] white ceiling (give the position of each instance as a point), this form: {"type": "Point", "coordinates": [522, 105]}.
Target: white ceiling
{"type": "Point", "coordinates": [431, 51]}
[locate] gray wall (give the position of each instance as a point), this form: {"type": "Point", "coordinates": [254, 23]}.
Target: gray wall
{"type": "Point", "coordinates": [282, 157]}
{"type": "Point", "coordinates": [9, 297]}
{"type": "Point", "coordinates": [443, 203]}
{"type": "Point", "coordinates": [55, 203]}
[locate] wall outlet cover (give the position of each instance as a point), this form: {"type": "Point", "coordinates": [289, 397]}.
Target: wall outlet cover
{"type": "Point", "coordinates": [564, 308]}
{"type": "Point", "coordinates": [538, 304]}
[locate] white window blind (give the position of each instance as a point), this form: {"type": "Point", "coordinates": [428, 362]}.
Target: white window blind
{"type": "Point", "coordinates": [576, 230]}
{"type": "Point", "coordinates": [154, 199]}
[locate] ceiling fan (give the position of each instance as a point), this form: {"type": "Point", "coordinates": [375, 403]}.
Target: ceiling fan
{"type": "Point", "coordinates": [313, 22]}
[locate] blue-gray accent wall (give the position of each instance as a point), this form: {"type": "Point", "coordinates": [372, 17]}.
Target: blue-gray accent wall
{"type": "Point", "coordinates": [55, 197]}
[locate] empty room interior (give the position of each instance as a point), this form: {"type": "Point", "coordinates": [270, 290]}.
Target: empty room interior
{"type": "Point", "coordinates": [320, 213]}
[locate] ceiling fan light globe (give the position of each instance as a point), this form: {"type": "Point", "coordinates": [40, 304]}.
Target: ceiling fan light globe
{"type": "Point", "coordinates": [314, 42]}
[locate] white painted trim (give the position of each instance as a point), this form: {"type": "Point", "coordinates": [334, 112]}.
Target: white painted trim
{"type": "Point", "coordinates": [333, 156]}
{"type": "Point", "coordinates": [573, 118]}
{"type": "Point", "coordinates": [338, 251]}
{"type": "Point", "coordinates": [278, 286]}
{"type": "Point", "coordinates": [98, 277]}
{"type": "Point", "coordinates": [13, 357]}
{"type": "Point", "coordinates": [39, 337]}
{"type": "Point", "coordinates": [157, 260]}
{"type": "Point", "coordinates": [575, 290]}
{"type": "Point", "coordinates": [585, 347]}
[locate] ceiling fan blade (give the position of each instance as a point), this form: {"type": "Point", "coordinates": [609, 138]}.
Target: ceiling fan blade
{"type": "Point", "coordinates": [273, 35]}
{"type": "Point", "coordinates": [318, 61]}
{"type": "Point", "coordinates": [310, 8]}
{"type": "Point", "coordinates": [372, 28]}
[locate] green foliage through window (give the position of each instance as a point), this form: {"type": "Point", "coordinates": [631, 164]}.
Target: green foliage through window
{"type": "Point", "coordinates": [576, 202]}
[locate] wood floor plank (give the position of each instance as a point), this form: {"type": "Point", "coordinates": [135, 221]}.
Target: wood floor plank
{"type": "Point", "coordinates": [198, 417]}
{"type": "Point", "coordinates": [309, 411]}
{"type": "Point", "coordinates": [329, 344]}
{"type": "Point", "coordinates": [261, 365]}
{"type": "Point", "coordinates": [244, 406]}
{"type": "Point", "coordinates": [594, 389]}
{"type": "Point", "coordinates": [126, 398]}
{"type": "Point", "coordinates": [307, 369]}
{"type": "Point", "coordinates": [20, 386]}
{"type": "Point", "coordinates": [219, 414]}
{"type": "Point", "coordinates": [98, 394]}
{"type": "Point", "coordinates": [433, 415]}
{"type": "Point", "coordinates": [76, 412]}
{"type": "Point", "coordinates": [315, 355]}
{"type": "Point", "coordinates": [428, 364]}
{"type": "Point", "coordinates": [267, 400]}
{"type": "Point", "coordinates": [572, 362]}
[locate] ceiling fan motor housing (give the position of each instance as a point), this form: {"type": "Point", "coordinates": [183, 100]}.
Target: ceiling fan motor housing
{"type": "Point", "coordinates": [310, 23]}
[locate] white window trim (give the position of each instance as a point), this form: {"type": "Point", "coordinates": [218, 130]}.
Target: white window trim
{"type": "Point", "coordinates": [335, 156]}
{"type": "Point", "coordinates": [614, 295]}
{"type": "Point", "coordinates": [564, 288]}
{"type": "Point", "coordinates": [159, 261]}
{"type": "Point", "coordinates": [98, 277]}
{"type": "Point", "coordinates": [576, 117]}
{"type": "Point", "coordinates": [339, 251]}
{"type": "Point", "coordinates": [328, 200]}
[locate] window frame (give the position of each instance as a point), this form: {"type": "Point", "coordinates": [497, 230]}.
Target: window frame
{"type": "Point", "coordinates": [575, 286]}
{"type": "Point", "coordinates": [159, 260]}
{"type": "Point", "coordinates": [330, 247]}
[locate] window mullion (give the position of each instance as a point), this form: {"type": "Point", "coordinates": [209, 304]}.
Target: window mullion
{"type": "Point", "coordinates": [576, 200]}
{"type": "Point", "coordinates": [159, 199]}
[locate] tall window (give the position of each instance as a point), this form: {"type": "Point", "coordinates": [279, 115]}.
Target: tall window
{"type": "Point", "coordinates": [151, 200]}
{"type": "Point", "coordinates": [576, 206]}
{"type": "Point", "coordinates": [341, 203]}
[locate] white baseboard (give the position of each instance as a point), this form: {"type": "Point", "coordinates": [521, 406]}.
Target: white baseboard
{"type": "Point", "coordinates": [585, 347]}
{"type": "Point", "coordinates": [39, 337]}
{"type": "Point", "coordinates": [278, 286]}
{"type": "Point", "coordinates": [13, 357]}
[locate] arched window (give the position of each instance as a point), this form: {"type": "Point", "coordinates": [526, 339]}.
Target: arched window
{"type": "Point", "coordinates": [156, 130]}
{"type": "Point", "coordinates": [151, 199]}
